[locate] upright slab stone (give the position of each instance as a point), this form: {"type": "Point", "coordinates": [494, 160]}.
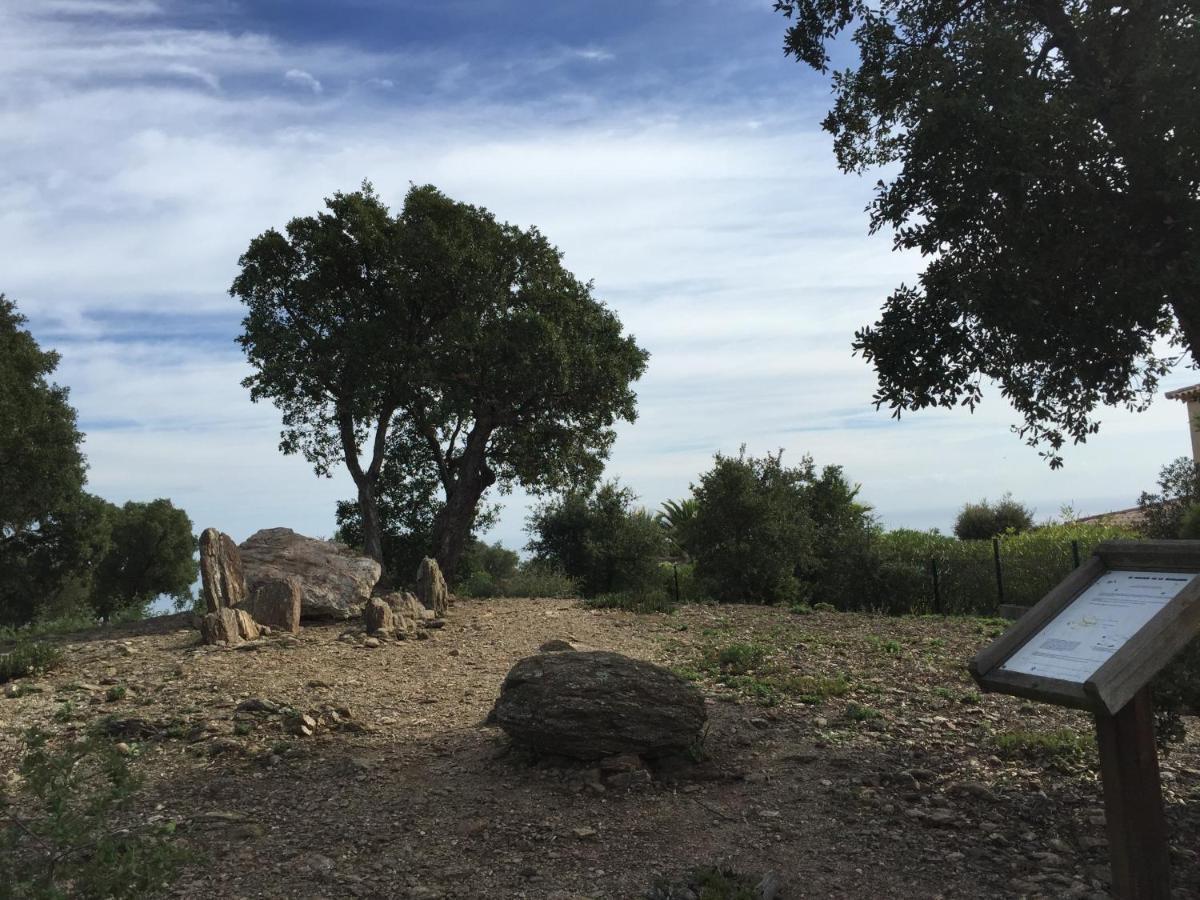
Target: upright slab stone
{"type": "Point", "coordinates": [221, 627]}
{"type": "Point", "coordinates": [277, 604]}
{"type": "Point", "coordinates": [222, 577]}
{"type": "Point", "coordinates": [335, 582]}
{"type": "Point", "coordinates": [431, 587]}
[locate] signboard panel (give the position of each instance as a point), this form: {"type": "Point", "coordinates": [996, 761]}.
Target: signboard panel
{"type": "Point", "coordinates": [1096, 624]}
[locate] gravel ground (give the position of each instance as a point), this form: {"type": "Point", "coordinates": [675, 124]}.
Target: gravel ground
{"type": "Point", "coordinates": [848, 754]}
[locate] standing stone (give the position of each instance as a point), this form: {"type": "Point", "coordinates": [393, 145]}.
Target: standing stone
{"type": "Point", "coordinates": [222, 579]}
{"type": "Point", "coordinates": [276, 604]}
{"type": "Point", "coordinates": [378, 616]}
{"type": "Point", "coordinates": [431, 587]}
{"type": "Point", "coordinates": [221, 627]}
{"type": "Point", "coordinates": [335, 582]}
{"type": "Point", "coordinates": [246, 626]}
{"type": "Point", "coordinates": [593, 704]}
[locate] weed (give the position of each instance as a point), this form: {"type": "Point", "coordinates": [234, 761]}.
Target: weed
{"type": "Point", "coordinates": [708, 883]}
{"type": "Point", "coordinates": [1061, 744]}
{"type": "Point", "coordinates": [241, 729]}
{"type": "Point", "coordinates": [859, 713]}
{"type": "Point", "coordinates": [115, 693]}
{"type": "Point", "coordinates": [801, 608]}
{"type": "Point", "coordinates": [60, 833]}
{"type": "Point", "coordinates": [970, 698]}
{"type": "Point", "coordinates": [824, 607]}
{"type": "Point", "coordinates": [65, 712]}
{"type": "Point", "coordinates": [28, 659]}
{"type": "Point", "coordinates": [741, 659]}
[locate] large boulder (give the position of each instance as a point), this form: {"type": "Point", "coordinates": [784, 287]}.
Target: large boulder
{"type": "Point", "coordinates": [222, 579]}
{"type": "Point", "coordinates": [335, 582]}
{"type": "Point", "coordinates": [277, 604]}
{"type": "Point", "coordinates": [593, 704]}
{"type": "Point", "coordinates": [431, 587]}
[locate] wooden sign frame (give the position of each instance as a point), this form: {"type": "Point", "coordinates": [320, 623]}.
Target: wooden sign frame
{"type": "Point", "coordinates": [1118, 692]}
{"type": "Point", "coordinates": [1135, 663]}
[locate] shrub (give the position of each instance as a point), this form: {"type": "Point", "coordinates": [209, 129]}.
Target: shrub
{"type": "Point", "coordinates": [645, 601]}
{"type": "Point", "coordinates": [59, 829]}
{"type": "Point", "coordinates": [601, 540]}
{"type": "Point", "coordinates": [751, 534]}
{"type": "Point", "coordinates": [1164, 511]}
{"type": "Point", "coordinates": [1063, 744]}
{"type": "Point", "coordinates": [1189, 527]}
{"type": "Point", "coordinates": [531, 579]}
{"type": "Point", "coordinates": [983, 520]}
{"type": "Point", "coordinates": [28, 659]}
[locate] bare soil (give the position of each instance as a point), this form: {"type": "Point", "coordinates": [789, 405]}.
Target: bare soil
{"type": "Point", "coordinates": [403, 792]}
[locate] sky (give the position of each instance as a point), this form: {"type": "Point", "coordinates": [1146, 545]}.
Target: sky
{"type": "Point", "coordinates": [668, 148]}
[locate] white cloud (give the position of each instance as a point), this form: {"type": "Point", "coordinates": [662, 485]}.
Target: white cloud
{"type": "Point", "coordinates": [302, 79]}
{"type": "Point", "coordinates": [738, 256]}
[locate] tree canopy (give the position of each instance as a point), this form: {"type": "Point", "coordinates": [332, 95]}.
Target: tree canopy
{"type": "Point", "coordinates": [1044, 157]}
{"type": "Point", "coordinates": [447, 342]}
{"type": "Point", "coordinates": [41, 464]}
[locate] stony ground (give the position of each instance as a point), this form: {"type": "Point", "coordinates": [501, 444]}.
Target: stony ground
{"type": "Point", "coordinates": [848, 754]}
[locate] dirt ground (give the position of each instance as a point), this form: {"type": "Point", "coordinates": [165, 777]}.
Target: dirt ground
{"type": "Point", "coordinates": [897, 781]}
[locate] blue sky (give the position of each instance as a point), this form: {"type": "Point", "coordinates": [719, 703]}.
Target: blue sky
{"type": "Point", "coordinates": [667, 147]}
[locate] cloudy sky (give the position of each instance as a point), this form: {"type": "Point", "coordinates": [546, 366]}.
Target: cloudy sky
{"type": "Point", "coordinates": [667, 147]}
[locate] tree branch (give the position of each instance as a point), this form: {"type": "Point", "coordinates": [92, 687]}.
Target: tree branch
{"type": "Point", "coordinates": [349, 445]}
{"type": "Point", "coordinates": [380, 445]}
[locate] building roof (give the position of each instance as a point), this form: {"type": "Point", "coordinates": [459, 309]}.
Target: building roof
{"type": "Point", "coordinates": [1187, 394]}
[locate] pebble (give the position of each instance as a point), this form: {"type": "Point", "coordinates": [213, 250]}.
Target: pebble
{"type": "Point", "coordinates": [371, 643]}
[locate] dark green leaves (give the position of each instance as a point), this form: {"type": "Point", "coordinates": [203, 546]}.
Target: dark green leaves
{"type": "Point", "coordinates": [1047, 163]}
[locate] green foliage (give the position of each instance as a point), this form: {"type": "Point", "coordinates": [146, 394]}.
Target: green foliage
{"type": "Point", "coordinates": [1063, 744]}
{"type": "Point", "coordinates": [638, 601]}
{"type": "Point", "coordinates": [708, 883]}
{"type": "Point", "coordinates": [751, 534]}
{"type": "Point", "coordinates": [1032, 563]}
{"type": "Point", "coordinates": [741, 659]}
{"type": "Point", "coordinates": [28, 658]}
{"type": "Point", "coordinates": [1189, 527]}
{"type": "Point", "coordinates": [151, 553]}
{"type": "Point", "coordinates": [857, 713]}
{"type": "Point", "coordinates": [984, 521]}
{"type": "Point", "coordinates": [600, 539]}
{"type": "Point", "coordinates": [1042, 158]}
{"type": "Point", "coordinates": [493, 364]}
{"type": "Point", "coordinates": [675, 518]}
{"type": "Point", "coordinates": [532, 578]}
{"type": "Point", "coordinates": [64, 830]}
{"type": "Point", "coordinates": [41, 466]}
{"type": "Point", "coordinates": [1164, 510]}
{"type": "Point", "coordinates": [115, 693]}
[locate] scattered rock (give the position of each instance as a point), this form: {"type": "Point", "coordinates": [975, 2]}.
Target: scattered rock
{"type": "Point", "coordinates": [258, 704]}
{"type": "Point", "coordinates": [221, 627]}
{"type": "Point", "coordinates": [558, 645]}
{"type": "Point", "coordinates": [300, 724]}
{"type": "Point", "coordinates": [276, 603]}
{"type": "Point", "coordinates": [431, 587]}
{"type": "Point", "coordinates": [378, 616]}
{"type": "Point", "coordinates": [222, 578]}
{"type": "Point", "coordinates": [404, 604]}
{"type": "Point", "coordinates": [335, 582]}
{"type": "Point", "coordinates": [595, 704]}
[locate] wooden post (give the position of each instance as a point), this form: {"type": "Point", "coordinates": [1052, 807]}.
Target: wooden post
{"type": "Point", "coordinates": [1133, 802]}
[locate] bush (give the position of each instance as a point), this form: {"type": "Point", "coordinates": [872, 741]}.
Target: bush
{"type": "Point", "coordinates": [751, 534]}
{"type": "Point", "coordinates": [644, 601]}
{"type": "Point", "coordinates": [531, 579]}
{"type": "Point", "coordinates": [1164, 511]}
{"type": "Point", "coordinates": [983, 521]}
{"type": "Point", "coordinates": [28, 659]}
{"type": "Point", "coordinates": [600, 539]}
{"type": "Point", "coordinates": [59, 834]}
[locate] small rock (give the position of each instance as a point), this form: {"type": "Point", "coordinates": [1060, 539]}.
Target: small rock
{"type": "Point", "coordinates": [300, 724]}
{"type": "Point", "coordinates": [371, 643]}
{"type": "Point", "coordinates": [122, 748]}
{"type": "Point", "coordinates": [584, 833]}
{"type": "Point", "coordinates": [257, 704]}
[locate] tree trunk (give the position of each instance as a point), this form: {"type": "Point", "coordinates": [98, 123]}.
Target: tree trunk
{"type": "Point", "coordinates": [368, 508]}
{"type": "Point", "coordinates": [453, 523]}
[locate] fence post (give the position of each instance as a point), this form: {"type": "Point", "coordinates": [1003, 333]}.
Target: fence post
{"type": "Point", "coordinates": [999, 571]}
{"type": "Point", "coordinates": [675, 566]}
{"type": "Point", "coordinates": [937, 589]}
{"type": "Point", "coordinates": [1075, 552]}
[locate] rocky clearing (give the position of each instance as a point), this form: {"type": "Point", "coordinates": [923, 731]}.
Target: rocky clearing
{"type": "Point", "coordinates": [849, 754]}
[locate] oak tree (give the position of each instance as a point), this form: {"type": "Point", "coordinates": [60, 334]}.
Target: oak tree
{"type": "Point", "coordinates": [1044, 157]}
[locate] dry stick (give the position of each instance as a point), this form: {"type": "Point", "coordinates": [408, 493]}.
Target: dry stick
{"type": "Point", "coordinates": [716, 812]}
